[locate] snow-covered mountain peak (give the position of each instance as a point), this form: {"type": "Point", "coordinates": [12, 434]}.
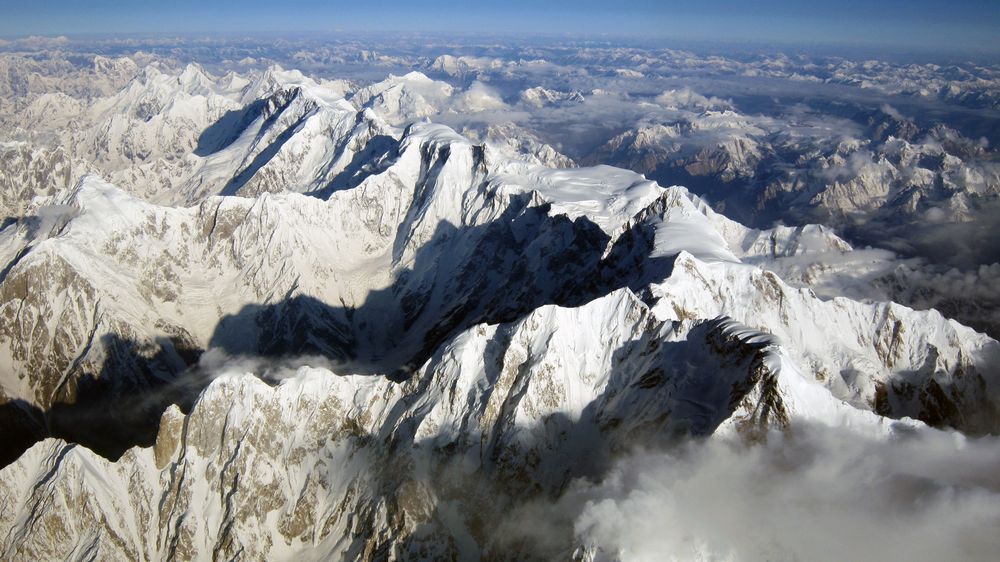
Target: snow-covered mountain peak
{"type": "Point", "coordinates": [433, 135]}
{"type": "Point", "coordinates": [540, 96]}
{"type": "Point", "coordinates": [403, 99]}
{"type": "Point", "coordinates": [461, 66]}
{"type": "Point", "coordinates": [314, 324]}
{"type": "Point", "coordinates": [500, 415]}
{"type": "Point", "coordinates": [194, 78]}
{"type": "Point", "coordinates": [275, 78]}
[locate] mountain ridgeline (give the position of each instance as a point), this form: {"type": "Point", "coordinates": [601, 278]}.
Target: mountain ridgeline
{"type": "Point", "coordinates": [256, 318]}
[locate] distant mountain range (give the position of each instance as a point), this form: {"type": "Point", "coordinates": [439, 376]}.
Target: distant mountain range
{"type": "Point", "coordinates": [270, 316]}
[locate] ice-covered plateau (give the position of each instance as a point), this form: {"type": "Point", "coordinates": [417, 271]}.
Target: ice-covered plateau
{"type": "Point", "coordinates": [473, 331]}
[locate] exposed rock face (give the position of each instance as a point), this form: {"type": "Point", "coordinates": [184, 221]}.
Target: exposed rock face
{"type": "Point", "coordinates": [28, 171]}
{"type": "Point", "coordinates": [886, 357]}
{"type": "Point", "coordinates": [258, 276]}
{"type": "Point", "coordinates": [482, 331]}
{"type": "Point", "coordinates": [359, 467]}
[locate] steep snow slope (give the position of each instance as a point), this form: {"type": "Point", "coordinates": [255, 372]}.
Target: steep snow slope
{"type": "Point", "coordinates": [396, 343]}
{"type": "Point", "coordinates": [401, 99]}
{"type": "Point", "coordinates": [177, 137]}
{"type": "Point", "coordinates": [180, 138]}
{"type": "Point", "coordinates": [333, 466]}
{"type": "Point", "coordinates": [122, 295]}
{"type": "Point", "coordinates": [119, 296]}
{"type": "Point", "coordinates": [883, 356]}
{"type": "Point", "coordinates": [483, 331]}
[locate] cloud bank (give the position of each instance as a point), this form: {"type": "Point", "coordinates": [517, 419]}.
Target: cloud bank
{"type": "Point", "coordinates": [815, 493]}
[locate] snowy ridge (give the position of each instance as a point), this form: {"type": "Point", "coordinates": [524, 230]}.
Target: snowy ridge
{"type": "Point", "coordinates": [438, 205]}
{"type": "Point", "coordinates": [413, 467]}
{"type": "Point", "coordinates": [882, 356]}
{"type": "Point", "coordinates": [384, 343]}
{"type": "Point", "coordinates": [203, 270]}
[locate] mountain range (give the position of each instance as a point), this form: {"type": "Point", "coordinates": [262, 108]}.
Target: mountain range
{"type": "Point", "coordinates": [271, 316]}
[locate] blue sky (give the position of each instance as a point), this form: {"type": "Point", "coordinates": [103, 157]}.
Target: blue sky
{"type": "Point", "coordinates": [934, 24]}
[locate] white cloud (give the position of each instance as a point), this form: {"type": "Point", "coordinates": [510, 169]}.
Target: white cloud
{"type": "Point", "coordinates": [480, 97]}
{"type": "Point", "coordinates": [685, 98]}
{"type": "Point", "coordinates": [814, 494]}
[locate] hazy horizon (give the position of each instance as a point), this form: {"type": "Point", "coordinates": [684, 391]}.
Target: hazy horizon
{"type": "Point", "coordinates": [921, 26]}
